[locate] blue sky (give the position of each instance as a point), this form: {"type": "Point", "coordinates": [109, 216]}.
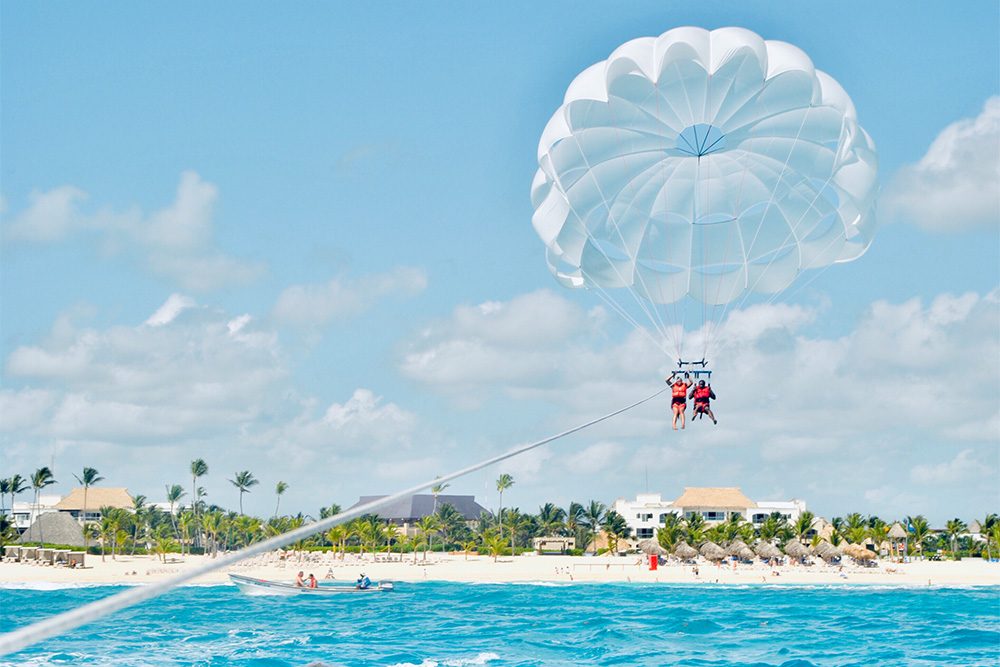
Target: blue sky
{"type": "Point", "coordinates": [298, 241]}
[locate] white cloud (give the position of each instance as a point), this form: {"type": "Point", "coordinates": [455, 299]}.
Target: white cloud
{"type": "Point", "coordinates": [50, 216]}
{"type": "Point", "coordinates": [317, 305]}
{"type": "Point", "coordinates": [186, 368]}
{"type": "Point", "coordinates": [961, 468]}
{"type": "Point", "coordinates": [169, 310]}
{"type": "Point", "coordinates": [175, 242]}
{"type": "Point", "coordinates": [956, 185]}
{"type": "Point", "coordinates": [839, 416]}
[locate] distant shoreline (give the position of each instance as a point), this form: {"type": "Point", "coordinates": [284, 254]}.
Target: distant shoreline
{"type": "Point", "coordinates": [521, 569]}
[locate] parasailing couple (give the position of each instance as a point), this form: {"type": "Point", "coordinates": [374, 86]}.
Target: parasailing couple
{"type": "Point", "coordinates": [701, 394]}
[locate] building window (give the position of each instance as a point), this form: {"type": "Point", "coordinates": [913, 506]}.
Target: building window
{"type": "Point", "coordinates": [759, 518]}
{"type": "Point", "coordinates": [715, 516]}
{"type": "Point", "coordinates": [643, 533]}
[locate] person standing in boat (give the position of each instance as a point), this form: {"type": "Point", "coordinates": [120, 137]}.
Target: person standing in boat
{"type": "Point", "coordinates": [363, 582]}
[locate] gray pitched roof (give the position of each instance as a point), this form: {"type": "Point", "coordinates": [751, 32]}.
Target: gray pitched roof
{"type": "Point", "coordinates": [57, 528]}
{"type": "Point", "coordinates": [416, 507]}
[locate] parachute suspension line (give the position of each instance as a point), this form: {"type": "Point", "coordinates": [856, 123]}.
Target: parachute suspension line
{"type": "Point", "coordinates": [712, 330]}
{"type": "Point", "coordinates": [641, 304]}
{"type": "Point", "coordinates": [666, 219]}
{"type": "Point", "coordinates": [615, 306]}
{"type": "Point", "coordinates": [708, 208]}
{"type": "Point", "coordinates": [775, 296]}
{"type": "Point", "coordinates": [760, 225]}
{"type": "Point", "coordinates": [61, 623]}
{"type": "Point", "coordinates": [653, 314]}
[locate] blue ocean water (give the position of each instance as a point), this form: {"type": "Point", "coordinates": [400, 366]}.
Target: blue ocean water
{"type": "Point", "coordinates": [437, 624]}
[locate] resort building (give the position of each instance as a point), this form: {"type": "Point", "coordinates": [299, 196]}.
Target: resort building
{"type": "Point", "coordinates": [407, 512]}
{"type": "Point", "coordinates": [96, 498]}
{"type": "Point", "coordinates": [715, 504]}
{"type": "Point", "coordinates": [24, 513]}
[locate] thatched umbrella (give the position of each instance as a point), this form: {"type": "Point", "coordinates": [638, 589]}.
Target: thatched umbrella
{"type": "Point", "coordinates": [827, 551]}
{"type": "Point", "coordinates": [651, 546]}
{"type": "Point", "coordinates": [858, 552]}
{"type": "Point", "coordinates": [767, 551]}
{"type": "Point", "coordinates": [712, 551]}
{"type": "Point", "coordinates": [895, 534]}
{"type": "Point", "coordinates": [796, 549]}
{"type": "Point", "coordinates": [746, 553]}
{"type": "Point", "coordinates": [735, 547]}
{"type": "Point", "coordinates": [683, 550]}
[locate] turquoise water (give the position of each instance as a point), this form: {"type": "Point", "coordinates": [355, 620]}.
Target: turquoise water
{"type": "Point", "coordinates": [500, 625]}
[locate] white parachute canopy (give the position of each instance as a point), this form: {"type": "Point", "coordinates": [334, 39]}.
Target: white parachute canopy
{"type": "Point", "coordinates": [703, 166]}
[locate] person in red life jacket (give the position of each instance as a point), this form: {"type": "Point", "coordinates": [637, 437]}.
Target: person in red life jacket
{"type": "Point", "coordinates": [679, 404]}
{"type": "Point", "coordinates": [311, 582]}
{"type": "Point", "coordinates": [701, 395]}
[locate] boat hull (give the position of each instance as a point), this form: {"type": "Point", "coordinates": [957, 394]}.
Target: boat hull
{"type": "Point", "coordinates": [255, 586]}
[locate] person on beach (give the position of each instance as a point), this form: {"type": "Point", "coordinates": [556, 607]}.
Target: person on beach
{"type": "Point", "coordinates": [312, 581]}
{"type": "Point", "coordinates": [363, 582]}
{"type": "Point", "coordinates": [298, 580]}
{"type": "Point", "coordinates": [679, 403]}
{"type": "Point", "coordinates": [702, 394]}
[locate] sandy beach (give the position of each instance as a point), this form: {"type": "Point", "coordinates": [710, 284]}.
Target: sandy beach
{"type": "Point", "coordinates": [458, 567]}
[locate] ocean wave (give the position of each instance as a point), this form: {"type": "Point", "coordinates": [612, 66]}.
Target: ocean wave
{"type": "Point", "coordinates": [481, 659]}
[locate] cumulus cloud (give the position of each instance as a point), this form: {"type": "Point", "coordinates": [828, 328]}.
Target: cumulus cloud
{"type": "Point", "coordinates": [185, 368]}
{"type": "Point", "coordinates": [840, 414]}
{"type": "Point", "coordinates": [963, 467]}
{"type": "Point", "coordinates": [318, 305]}
{"type": "Point", "coordinates": [175, 242]}
{"type": "Point", "coordinates": [956, 185]}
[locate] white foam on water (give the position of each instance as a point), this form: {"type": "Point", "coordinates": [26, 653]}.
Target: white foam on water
{"type": "Point", "coordinates": [480, 659]}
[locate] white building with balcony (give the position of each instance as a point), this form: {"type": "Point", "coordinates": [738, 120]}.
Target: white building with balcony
{"type": "Point", "coordinates": [715, 504]}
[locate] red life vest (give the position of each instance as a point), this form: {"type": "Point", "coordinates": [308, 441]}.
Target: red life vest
{"type": "Point", "coordinates": [680, 390]}
{"type": "Point", "coordinates": [702, 394]}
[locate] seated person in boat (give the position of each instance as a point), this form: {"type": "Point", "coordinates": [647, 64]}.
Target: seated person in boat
{"type": "Point", "coordinates": [363, 582]}
{"type": "Point", "coordinates": [311, 583]}
{"type": "Point", "coordinates": [298, 580]}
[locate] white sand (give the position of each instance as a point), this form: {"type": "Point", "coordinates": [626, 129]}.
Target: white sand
{"type": "Point", "coordinates": [456, 567]}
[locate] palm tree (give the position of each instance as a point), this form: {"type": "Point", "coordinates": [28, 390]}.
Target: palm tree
{"type": "Point", "coordinates": [391, 534]}
{"type": "Point", "coordinates": [617, 528]}
{"type": "Point", "coordinates": [694, 526]}
{"type": "Point", "coordinates": [920, 528]}
{"type": "Point", "coordinates": [574, 519]}
{"type": "Point", "coordinates": [244, 480]}
{"type": "Point", "coordinates": [332, 510]}
{"type": "Point", "coordinates": [550, 519]}
{"type": "Point", "coordinates": [985, 528]}
{"type": "Point", "coordinates": [39, 480]}
{"type": "Point", "coordinates": [436, 489]}
{"type": "Point", "coordinates": [593, 517]}
{"type": "Point", "coordinates": [672, 532]}
{"type": "Point", "coordinates": [427, 525]}
{"type": "Point", "coordinates": [954, 528]}
{"type": "Point", "coordinates": [493, 543]}
{"type": "Point", "coordinates": [198, 469]}
{"type": "Point", "coordinates": [17, 485]}
{"type": "Point", "coordinates": [505, 481]}
{"type": "Point", "coordinates": [803, 525]}
{"type": "Point", "coordinates": [281, 488]}
{"type": "Point", "coordinates": [4, 490]}
{"type": "Point", "coordinates": [174, 494]}
{"type": "Point", "coordinates": [139, 516]}
{"type": "Point", "coordinates": [89, 478]}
